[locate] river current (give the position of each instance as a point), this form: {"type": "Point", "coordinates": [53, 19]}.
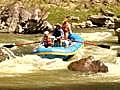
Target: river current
{"type": "Point", "coordinates": [35, 73]}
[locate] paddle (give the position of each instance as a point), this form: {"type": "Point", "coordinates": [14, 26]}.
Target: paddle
{"type": "Point", "coordinates": [85, 42]}
{"type": "Point", "coordinates": [12, 45]}
{"type": "Point", "coordinates": [94, 44]}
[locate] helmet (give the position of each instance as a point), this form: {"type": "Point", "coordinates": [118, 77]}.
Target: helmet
{"type": "Point", "coordinates": [46, 32]}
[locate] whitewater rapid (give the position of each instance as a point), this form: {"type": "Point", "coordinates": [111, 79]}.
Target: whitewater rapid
{"type": "Point", "coordinates": [32, 63]}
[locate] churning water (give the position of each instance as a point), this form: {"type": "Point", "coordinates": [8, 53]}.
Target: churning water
{"type": "Point", "coordinates": [34, 72]}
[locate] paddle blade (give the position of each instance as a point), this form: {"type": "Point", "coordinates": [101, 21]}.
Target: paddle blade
{"type": "Point", "coordinates": [104, 46]}
{"type": "Point", "coordinates": [9, 46]}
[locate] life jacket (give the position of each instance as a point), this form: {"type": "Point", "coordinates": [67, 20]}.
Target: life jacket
{"type": "Point", "coordinates": [65, 27]}
{"type": "Point", "coordinates": [47, 41]}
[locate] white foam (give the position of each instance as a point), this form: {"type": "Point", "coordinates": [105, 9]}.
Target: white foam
{"type": "Point", "coordinates": [92, 36]}
{"type": "Point", "coordinates": [29, 63]}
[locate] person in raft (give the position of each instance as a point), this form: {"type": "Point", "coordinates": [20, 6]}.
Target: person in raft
{"type": "Point", "coordinates": [66, 26]}
{"type": "Point", "coordinates": [59, 35]}
{"type": "Point", "coordinates": [47, 41]}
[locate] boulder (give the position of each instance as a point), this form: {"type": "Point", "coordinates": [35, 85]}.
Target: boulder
{"type": "Point", "coordinates": [16, 18]}
{"type": "Point", "coordinates": [98, 20]}
{"type": "Point", "coordinates": [88, 65]}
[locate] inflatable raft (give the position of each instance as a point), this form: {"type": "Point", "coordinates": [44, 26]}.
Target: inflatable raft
{"type": "Point", "coordinates": [62, 51]}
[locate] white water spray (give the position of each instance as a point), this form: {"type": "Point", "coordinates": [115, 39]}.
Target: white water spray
{"type": "Point", "coordinates": [30, 63]}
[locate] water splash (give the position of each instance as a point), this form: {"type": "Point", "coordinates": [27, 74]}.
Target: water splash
{"type": "Point", "coordinates": [114, 70]}
{"type": "Point", "coordinates": [31, 63]}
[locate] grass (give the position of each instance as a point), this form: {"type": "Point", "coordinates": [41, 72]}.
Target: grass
{"type": "Point", "coordinates": [57, 14]}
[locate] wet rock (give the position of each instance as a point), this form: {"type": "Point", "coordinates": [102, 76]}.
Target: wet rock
{"type": "Point", "coordinates": [88, 65]}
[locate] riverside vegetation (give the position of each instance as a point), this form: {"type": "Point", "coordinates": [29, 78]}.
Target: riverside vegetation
{"type": "Point", "coordinates": [58, 9]}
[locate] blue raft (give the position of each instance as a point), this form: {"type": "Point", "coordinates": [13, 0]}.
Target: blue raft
{"type": "Point", "coordinates": [62, 51]}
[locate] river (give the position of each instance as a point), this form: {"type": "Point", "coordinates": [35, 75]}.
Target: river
{"type": "Point", "coordinates": [31, 72]}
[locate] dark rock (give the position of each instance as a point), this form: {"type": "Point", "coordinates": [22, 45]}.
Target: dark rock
{"type": "Point", "coordinates": [88, 65]}
{"type": "Point", "coordinates": [98, 20]}
{"type": "Point", "coordinates": [19, 20]}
